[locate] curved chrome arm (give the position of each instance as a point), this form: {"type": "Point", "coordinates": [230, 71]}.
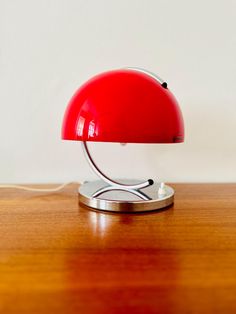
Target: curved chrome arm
{"type": "Point", "coordinates": [151, 74]}
{"type": "Point", "coordinates": [110, 181]}
{"type": "Point", "coordinates": [138, 193]}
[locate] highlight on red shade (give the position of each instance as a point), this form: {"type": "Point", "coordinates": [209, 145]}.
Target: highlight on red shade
{"type": "Point", "coordinates": [125, 106]}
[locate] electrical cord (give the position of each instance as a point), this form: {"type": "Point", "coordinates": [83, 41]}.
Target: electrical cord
{"type": "Point", "coordinates": [26, 188]}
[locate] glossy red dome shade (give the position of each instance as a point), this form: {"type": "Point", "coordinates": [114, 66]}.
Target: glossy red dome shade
{"type": "Point", "coordinates": [126, 106]}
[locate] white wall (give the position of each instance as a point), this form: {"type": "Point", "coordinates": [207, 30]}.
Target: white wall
{"type": "Point", "coordinates": [49, 48]}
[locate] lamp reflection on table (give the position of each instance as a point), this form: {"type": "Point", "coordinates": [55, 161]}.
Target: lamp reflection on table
{"type": "Point", "coordinates": [100, 223]}
{"type": "Point", "coordinates": [117, 258]}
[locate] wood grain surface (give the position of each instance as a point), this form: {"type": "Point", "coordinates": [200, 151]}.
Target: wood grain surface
{"type": "Point", "coordinates": [57, 257]}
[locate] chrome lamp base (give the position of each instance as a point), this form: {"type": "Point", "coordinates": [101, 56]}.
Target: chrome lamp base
{"type": "Point", "coordinates": [101, 196]}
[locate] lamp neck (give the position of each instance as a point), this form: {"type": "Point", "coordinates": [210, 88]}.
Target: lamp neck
{"type": "Point", "coordinates": [112, 183]}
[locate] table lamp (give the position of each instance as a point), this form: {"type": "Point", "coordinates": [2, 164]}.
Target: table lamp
{"type": "Point", "coordinates": [128, 105]}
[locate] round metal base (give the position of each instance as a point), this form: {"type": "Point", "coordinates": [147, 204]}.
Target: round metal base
{"type": "Point", "coordinates": [125, 201]}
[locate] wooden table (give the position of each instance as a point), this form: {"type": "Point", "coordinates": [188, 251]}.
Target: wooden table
{"type": "Point", "coordinates": [57, 257]}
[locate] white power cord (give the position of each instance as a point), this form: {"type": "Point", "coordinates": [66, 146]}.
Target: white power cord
{"type": "Point", "coordinates": [26, 188]}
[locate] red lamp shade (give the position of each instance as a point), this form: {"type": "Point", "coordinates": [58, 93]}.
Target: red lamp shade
{"type": "Point", "coordinates": [126, 106]}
